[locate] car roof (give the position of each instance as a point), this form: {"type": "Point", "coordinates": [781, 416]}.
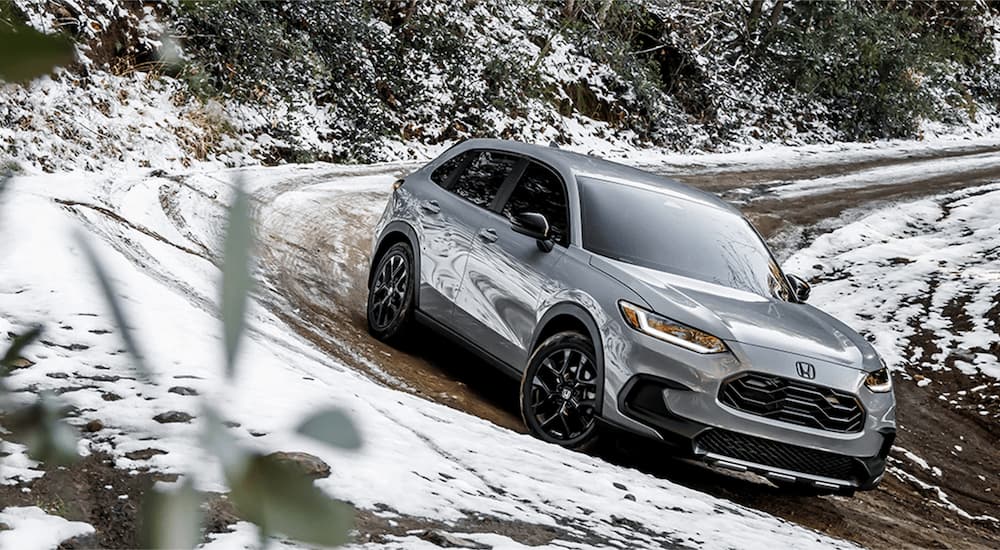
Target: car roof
{"type": "Point", "coordinates": [580, 165]}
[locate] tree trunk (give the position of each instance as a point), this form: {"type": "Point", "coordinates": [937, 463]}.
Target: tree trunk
{"type": "Point", "coordinates": [756, 6]}
{"type": "Point", "coordinates": [602, 14]}
{"type": "Point", "coordinates": [569, 8]}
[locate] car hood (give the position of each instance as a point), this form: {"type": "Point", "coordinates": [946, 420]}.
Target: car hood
{"type": "Point", "coordinates": [746, 317]}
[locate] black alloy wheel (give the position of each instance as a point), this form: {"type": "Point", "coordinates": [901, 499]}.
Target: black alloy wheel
{"type": "Point", "coordinates": [560, 391]}
{"type": "Point", "coordinates": [390, 299]}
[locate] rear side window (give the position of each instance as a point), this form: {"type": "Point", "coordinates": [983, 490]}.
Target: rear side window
{"type": "Point", "coordinates": [441, 173]}
{"type": "Point", "coordinates": [480, 182]}
{"type": "Point", "coordinates": [539, 190]}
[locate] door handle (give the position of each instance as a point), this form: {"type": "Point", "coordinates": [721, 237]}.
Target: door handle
{"type": "Point", "coordinates": [431, 206]}
{"type": "Point", "coordinates": [488, 235]}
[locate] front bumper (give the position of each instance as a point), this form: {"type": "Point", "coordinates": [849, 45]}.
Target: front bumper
{"type": "Point", "coordinates": [663, 392]}
{"type": "Point", "coordinates": [642, 401]}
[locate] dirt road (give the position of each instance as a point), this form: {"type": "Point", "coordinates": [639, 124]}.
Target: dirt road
{"type": "Point", "coordinates": [315, 245]}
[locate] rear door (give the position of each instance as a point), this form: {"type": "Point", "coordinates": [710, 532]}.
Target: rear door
{"type": "Point", "coordinates": [450, 218]}
{"type": "Point", "coordinates": [506, 273]}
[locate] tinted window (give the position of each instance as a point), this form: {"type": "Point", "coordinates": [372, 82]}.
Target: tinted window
{"type": "Point", "coordinates": [654, 230]}
{"type": "Point", "coordinates": [441, 173]}
{"type": "Point", "coordinates": [539, 190]}
{"type": "Point", "coordinates": [480, 182]}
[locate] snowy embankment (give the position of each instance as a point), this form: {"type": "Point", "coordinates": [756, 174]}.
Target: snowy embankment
{"type": "Point", "coordinates": [922, 280]}
{"type": "Point", "coordinates": [158, 236]}
{"type": "Point", "coordinates": [919, 278]}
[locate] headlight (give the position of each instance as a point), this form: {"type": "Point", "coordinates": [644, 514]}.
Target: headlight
{"type": "Point", "coordinates": [879, 381]}
{"type": "Point", "coordinates": [669, 330]}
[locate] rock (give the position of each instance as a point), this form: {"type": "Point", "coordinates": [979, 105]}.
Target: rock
{"type": "Point", "coordinates": [21, 363]}
{"type": "Point", "coordinates": [620, 486]}
{"type": "Point", "coordinates": [79, 542]}
{"type": "Point", "coordinates": [447, 540]}
{"type": "Point", "coordinates": [144, 454]}
{"type": "Point", "coordinates": [231, 424]}
{"type": "Point", "coordinates": [256, 433]}
{"type": "Point", "coordinates": [630, 496]}
{"type": "Point", "coordinates": [183, 390]}
{"type": "Point", "coordinates": [310, 465]}
{"type": "Point", "coordinates": [4, 527]}
{"type": "Point", "coordinates": [58, 375]}
{"type": "Point", "coordinates": [964, 355]}
{"type": "Point", "coordinates": [110, 397]}
{"type": "Point", "coordinates": [94, 425]}
{"type": "Point", "coordinates": [173, 417]}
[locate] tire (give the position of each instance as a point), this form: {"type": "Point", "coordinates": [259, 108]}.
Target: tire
{"type": "Point", "coordinates": [560, 391]}
{"type": "Point", "coordinates": [390, 298]}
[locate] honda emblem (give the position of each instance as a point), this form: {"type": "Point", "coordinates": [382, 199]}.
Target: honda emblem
{"type": "Point", "coordinates": [805, 370]}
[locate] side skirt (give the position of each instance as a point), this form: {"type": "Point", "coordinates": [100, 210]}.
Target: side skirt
{"type": "Point", "coordinates": [443, 329]}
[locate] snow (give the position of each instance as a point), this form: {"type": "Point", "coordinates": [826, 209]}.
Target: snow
{"type": "Point", "coordinates": [16, 466]}
{"type": "Point", "coordinates": [421, 458]}
{"type": "Point", "coordinates": [919, 278]}
{"type": "Point", "coordinates": [888, 175]}
{"type": "Point", "coordinates": [31, 528]}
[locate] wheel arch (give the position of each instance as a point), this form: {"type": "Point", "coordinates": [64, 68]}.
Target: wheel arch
{"type": "Point", "coordinates": [395, 232]}
{"type": "Point", "coordinates": [570, 316]}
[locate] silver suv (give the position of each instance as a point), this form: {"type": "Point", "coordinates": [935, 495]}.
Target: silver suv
{"type": "Point", "coordinates": [620, 297]}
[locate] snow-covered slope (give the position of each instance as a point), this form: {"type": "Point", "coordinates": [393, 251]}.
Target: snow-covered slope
{"type": "Point", "coordinates": [923, 280]}
{"type": "Point", "coordinates": [158, 237]}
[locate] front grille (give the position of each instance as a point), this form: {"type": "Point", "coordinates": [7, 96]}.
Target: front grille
{"type": "Point", "coordinates": [777, 455]}
{"type": "Point", "coordinates": [793, 401]}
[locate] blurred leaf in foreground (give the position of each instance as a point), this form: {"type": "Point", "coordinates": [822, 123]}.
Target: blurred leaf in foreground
{"type": "Point", "coordinates": [13, 353]}
{"type": "Point", "coordinates": [281, 499]}
{"type": "Point", "coordinates": [236, 277]}
{"type": "Point", "coordinates": [332, 427]}
{"type": "Point", "coordinates": [172, 519]}
{"type": "Point", "coordinates": [115, 304]}
{"type": "Point", "coordinates": [26, 54]}
{"type": "Point", "coordinates": [216, 439]}
{"type": "Point", "coordinates": [49, 439]}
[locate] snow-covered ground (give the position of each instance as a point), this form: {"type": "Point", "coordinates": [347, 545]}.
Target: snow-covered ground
{"type": "Point", "coordinates": [419, 459]}
{"type": "Point", "coordinates": [30, 528]}
{"type": "Point", "coordinates": [921, 278]}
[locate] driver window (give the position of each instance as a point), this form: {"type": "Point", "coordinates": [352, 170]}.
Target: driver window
{"type": "Point", "coordinates": [540, 190]}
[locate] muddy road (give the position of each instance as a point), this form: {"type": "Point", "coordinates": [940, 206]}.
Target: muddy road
{"type": "Point", "coordinates": [315, 239]}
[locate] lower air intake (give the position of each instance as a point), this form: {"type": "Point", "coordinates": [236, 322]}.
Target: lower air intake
{"type": "Point", "coordinates": [777, 455]}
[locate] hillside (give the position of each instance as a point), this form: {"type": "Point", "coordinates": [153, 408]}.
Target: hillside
{"type": "Point", "coordinates": [240, 82]}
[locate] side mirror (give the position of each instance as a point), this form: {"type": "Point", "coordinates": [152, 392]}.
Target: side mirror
{"type": "Point", "coordinates": [533, 225]}
{"type": "Point", "coordinates": [800, 288]}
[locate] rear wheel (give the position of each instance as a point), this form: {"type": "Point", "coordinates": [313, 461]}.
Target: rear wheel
{"type": "Point", "coordinates": [559, 391]}
{"type": "Point", "coordinates": [390, 299]}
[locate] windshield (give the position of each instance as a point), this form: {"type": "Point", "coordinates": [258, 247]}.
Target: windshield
{"type": "Point", "coordinates": [651, 229]}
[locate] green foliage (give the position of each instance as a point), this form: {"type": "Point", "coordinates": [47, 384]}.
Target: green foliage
{"type": "Point", "coordinates": [280, 499]}
{"type": "Point", "coordinates": [236, 276]}
{"type": "Point", "coordinates": [871, 62]}
{"type": "Point", "coordinates": [20, 342]}
{"type": "Point", "coordinates": [49, 439]}
{"type": "Point", "coordinates": [26, 54]}
{"type": "Point", "coordinates": [332, 427]}
{"type": "Point", "coordinates": [171, 519]}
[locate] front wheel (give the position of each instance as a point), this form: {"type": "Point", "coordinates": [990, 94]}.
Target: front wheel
{"type": "Point", "coordinates": [390, 299]}
{"type": "Point", "coordinates": [559, 391]}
